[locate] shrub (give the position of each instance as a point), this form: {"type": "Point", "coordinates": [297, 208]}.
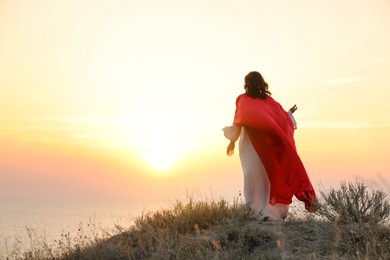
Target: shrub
{"type": "Point", "coordinates": [358, 216]}
{"type": "Point", "coordinates": [352, 203]}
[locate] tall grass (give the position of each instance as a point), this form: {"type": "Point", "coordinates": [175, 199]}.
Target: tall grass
{"type": "Point", "coordinates": [351, 223]}
{"type": "Point", "coordinates": [87, 235]}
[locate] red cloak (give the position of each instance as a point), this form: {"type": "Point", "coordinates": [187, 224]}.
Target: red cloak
{"type": "Point", "coordinates": [272, 135]}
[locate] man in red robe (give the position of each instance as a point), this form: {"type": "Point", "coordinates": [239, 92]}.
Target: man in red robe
{"type": "Point", "coordinates": [271, 131]}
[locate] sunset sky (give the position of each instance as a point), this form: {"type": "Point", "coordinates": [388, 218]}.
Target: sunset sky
{"type": "Point", "coordinates": [127, 99]}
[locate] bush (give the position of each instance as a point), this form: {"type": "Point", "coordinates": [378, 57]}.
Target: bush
{"type": "Point", "coordinates": [352, 203]}
{"type": "Point", "coordinates": [357, 216]}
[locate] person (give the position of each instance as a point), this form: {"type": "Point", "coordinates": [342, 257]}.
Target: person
{"type": "Point", "coordinates": [273, 171]}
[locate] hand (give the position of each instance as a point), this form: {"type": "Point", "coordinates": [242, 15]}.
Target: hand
{"type": "Point", "coordinates": [293, 109]}
{"type": "Point", "coordinates": [230, 148]}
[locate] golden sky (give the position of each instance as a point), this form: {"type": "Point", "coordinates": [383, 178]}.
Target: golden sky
{"type": "Point", "coordinates": [128, 98]}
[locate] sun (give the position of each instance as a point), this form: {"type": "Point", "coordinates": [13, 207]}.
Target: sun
{"type": "Point", "coordinates": [161, 161]}
{"type": "Point", "coordinates": [159, 146]}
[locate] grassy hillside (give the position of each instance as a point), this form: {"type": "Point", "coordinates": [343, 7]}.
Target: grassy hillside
{"type": "Point", "coordinates": [352, 223]}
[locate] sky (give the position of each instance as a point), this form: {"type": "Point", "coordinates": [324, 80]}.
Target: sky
{"type": "Point", "coordinates": [127, 99]}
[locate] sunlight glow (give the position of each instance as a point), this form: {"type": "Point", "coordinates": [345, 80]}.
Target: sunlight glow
{"type": "Point", "coordinates": [157, 139]}
{"type": "Point", "coordinates": [160, 146]}
{"type": "Point", "coordinates": [160, 161]}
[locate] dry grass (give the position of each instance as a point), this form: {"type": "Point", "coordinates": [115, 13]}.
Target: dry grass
{"type": "Point", "coordinates": [351, 224]}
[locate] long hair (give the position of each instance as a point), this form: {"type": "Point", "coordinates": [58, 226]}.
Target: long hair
{"type": "Point", "coordinates": [255, 86]}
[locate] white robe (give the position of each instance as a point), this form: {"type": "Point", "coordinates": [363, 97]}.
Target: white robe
{"type": "Point", "coordinates": [256, 182]}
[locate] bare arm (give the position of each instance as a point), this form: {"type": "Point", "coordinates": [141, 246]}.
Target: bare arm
{"type": "Point", "coordinates": [290, 113]}
{"type": "Point", "coordinates": [232, 133]}
{"type": "Point", "coordinates": [293, 109]}
{"type": "Point", "coordinates": [230, 148]}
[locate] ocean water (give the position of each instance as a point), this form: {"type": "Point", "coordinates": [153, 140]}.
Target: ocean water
{"type": "Point", "coordinates": [24, 222]}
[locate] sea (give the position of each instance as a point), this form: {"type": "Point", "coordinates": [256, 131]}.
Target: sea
{"type": "Point", "coordinates": [26, 223]}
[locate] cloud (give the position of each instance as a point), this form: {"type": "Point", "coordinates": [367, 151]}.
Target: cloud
{"type": "Point", "coordinates": [89, 120]}
{"type": "Point", "coordinates": [345, 80]}
{"type": "Point", "coordinates": [383, 60]}
{"type": "Point", "coordinates": [333, 124]}
{"type": "Point", "coordinates": [327, 124]}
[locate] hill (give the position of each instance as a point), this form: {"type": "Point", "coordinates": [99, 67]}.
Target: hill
{"type": "Point", "coordinates": [351, 223]}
